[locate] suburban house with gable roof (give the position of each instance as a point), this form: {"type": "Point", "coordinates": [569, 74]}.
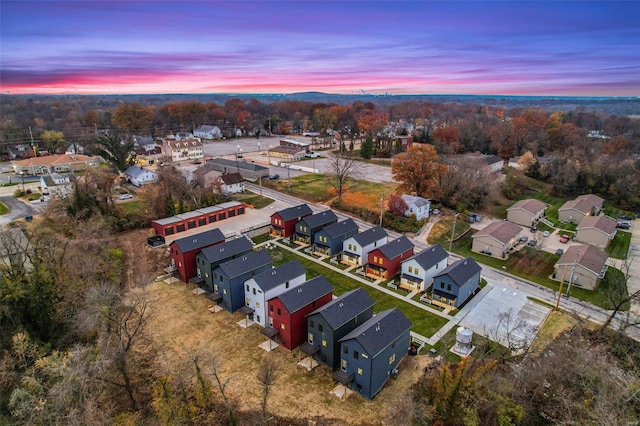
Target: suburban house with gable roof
{"type": "Point", "coordinates": [266, 285]}
{"type": "Point", "coordinates": [575, 210]}
{"type": "Point", "coordinates": [307, 227]}
{"type": "Point", "coordinates": [283, 222]}
{"type": "Point", "coordinates": [54, 164]}
{"type": "Point", "coordinates": [583, 266]}
{"type": "Point", "coordinates": [287, 312]}
{"type": "Point", "coordinates": [209, 258]}
{"type": "Point", "coordinates": [526, 212]}
{"type": "Point", "coordinates": [496, 239]}
{"type": "Point", "coordinates": [328, 240]}
{"type": "Point", "coordinates": [417, 206]}
{"type": "Point", "coordinates": [355, 250]}
{"type": "Point", "coordinates": [596, 230]}
{"type": "Point", "coordinates": [231, 183]}
{"type": "Point", "coordinates": [182, 149]}
{"type": "Point", "coordinates": [229, 278]}
{"type": "Point", "coordinates": [58, 185]}
{"type": "Point", "coordinates": [457, 283]}
{"type": "Point", "coordinates": [418, 270]}
{"type": "Point", "coordinates": [139, 175]}
{"type": "Point", "coordinates": [331, 322]}
{"type": "Point", "coordinates": [370, 354]}
{"type": "Point", "coordinates": [184, 250]}
{"type": "Point", "coordinates": [385, 262]}
{"type": "Point", "coordinates": [207, 132]}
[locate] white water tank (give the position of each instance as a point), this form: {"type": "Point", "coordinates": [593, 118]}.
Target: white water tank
{"type": "Point", "coordinates": [463, 340]}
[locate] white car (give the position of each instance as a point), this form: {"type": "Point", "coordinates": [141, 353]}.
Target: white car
{"type": "Point", "coordinates": [125, 197]}
{"type": "Point", "coordinates": [545, 234]}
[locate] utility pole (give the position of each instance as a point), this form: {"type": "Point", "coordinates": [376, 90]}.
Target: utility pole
{"type": "Point", "coordinates": [33, 144]}
{"type": "Point", "coordinates": [288, 177]}
{"type": "Point", "coordinates": [573, 271]}
{"type": "Point", "coordinates": [453, 231]}
{"type": "Point", "coordinates": [381, 207]}
{"type": "Point", "coordinates": [560, 289]}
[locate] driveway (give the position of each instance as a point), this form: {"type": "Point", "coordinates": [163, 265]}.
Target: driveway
{"type": "Point", "coordinates": [17, 209]}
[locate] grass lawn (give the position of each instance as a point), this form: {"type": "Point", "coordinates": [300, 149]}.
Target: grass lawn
{"type": "Point", "coordinates": [441, 231]}
{"type": "Point", "coordinates": [131, 207]}
{"type": "Point", "coordinates": [261, 238]}
{"type": "Point", "coordinates": [424, 323]}
{"type": "Point", "coordinates": [309, 187]}
{"type": "Point", "coordinates": [257, 201]}
{"type": "Point", "coordinates": [3, 209]}
{"type": "Point", "coordinates": [619, 247]}
{"type": "Point", "coordinates": [614, 212]}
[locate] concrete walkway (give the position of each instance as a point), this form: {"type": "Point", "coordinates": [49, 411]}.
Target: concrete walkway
{"type": "Point", "coordinates": [633, 263]}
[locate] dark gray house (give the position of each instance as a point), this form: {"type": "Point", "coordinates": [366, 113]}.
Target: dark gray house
{"type": "Point", "coordinates": [330, 323]}
{"type": "Point", "coordinates": [307, 227]}
{"type": "Point", "coordinates": [329, 239]}
{"type": "Point", "coordinates": [229, 278]}
{"type": "Point", "coordinates": [371, 352]}
{"type": "Point", "coordinates": [209, 258]}
{"type": "Point", "coordinates": [455, 284]}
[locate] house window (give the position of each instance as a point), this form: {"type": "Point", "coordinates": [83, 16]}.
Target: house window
{"type": "Point", "coordinates": [448, 287]}
{"type": "Point", "coordinates": [324, 343]}
{"type": "Point", "coordinates": [416, 271]}
{"type": "Point", "coordinates": [279, 312]}
{"type": "Point", "coordinates": [392, 358]}
{"type": "Point", "coordinates": [410, 270]}
{"type": "Point", "coordinates": [360, 371]}
{"type": "Point", "coordinates": [206, 274]}
{"type": "Point", "coordinates": [254, 291]}
{"type": "Point", "coordinates": [345, 349]}
{"type": "Point", "coordinates": [355, 354]}
{"type": "Point", "coordinates": [224, 291]}
{"type": "Point", "coordinates": [271, 308]}
{"type": "Point", "coordinates": [343, 365]}
{"type": "Point", "coordinates": [310, 324]}
{"type": "Point", "coordinates": [375, 259]}
{"type": "Point", "coordinates": [441, 285]}
{"type": "Point", "coordinates": [320, 328]}
{"type": "Point", "coordinates": [381, 261]}
{"type": "Point", "coordinates": [258, 318]}
{"type": "Point", "coordinates": [258, 306]}
{"type": "Point", "coordinates": [282, 326]}
{"type": "Point", "coordinates": [248, 288]}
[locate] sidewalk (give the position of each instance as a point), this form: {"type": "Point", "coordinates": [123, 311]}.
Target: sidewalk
{"type": "Point", "coordinates": [633, 261]}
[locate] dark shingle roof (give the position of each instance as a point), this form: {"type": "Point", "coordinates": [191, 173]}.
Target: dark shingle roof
{"type": "Point", "coordinates": [320, 219]}
{"type": "Point", "coordinates": [340, 228]}
{"type": "Point", "coordinates": [380, 331]}
{"type": "Point", "coordinates": [294, 212]}
{"type": "Point", "coordinates": [300, 296]}
{"type": "Point", "coordinates": [269, 279]}
{"type": "Point", "coordinates": [428, 257]}
{"type": "Point", "coordinates": [370, 235]}
{"type": "Point", "coordinates": [232, 178]}
{"type": "Point", "coordinates": [461, 270]}
{"type": "Point", "coordinates": [237, 164]}
{"type": "Point", "coordinates": [227, 250]}
{"type": "Point", "coordinates": [198, 241]}
{"type": "Point", "coordinates": [248, 262]}
{"type": "Point", "coordinates": [396, 247]}
{"type": "Point", "coordinates": [340, 310]}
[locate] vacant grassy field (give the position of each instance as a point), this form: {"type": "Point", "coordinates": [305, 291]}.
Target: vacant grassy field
{"type": "Point", "coordinates": [441, 231]}
{"type": "Point", "coordinates": [131, 206]}
{"type": "Point", "coordinates": [181, 326]}
{"type": "Point", "coordinates": [424, 323]}
{"type": "Point", "coordinates": [257, 201]}
{"type": "Point", "coordinates": [619, 247]}
{"type": "Point", "coordinates": [309, 187]}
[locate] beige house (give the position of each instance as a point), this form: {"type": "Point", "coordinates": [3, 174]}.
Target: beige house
{"type": "Point", "coordinates": [596, 230]}
{"type": "Point", "coordinates": [54, 164]}
{"type": "Point", "coordinates": [575, 210]}
{"type": "Point", "coordinates": [526, 212]}
{"type": "Point", "coordinates": [497, 239]}
{"type": "Point", "coordinates": [182, 150]}
{"type": "Point", "coordinates": [582, 266]}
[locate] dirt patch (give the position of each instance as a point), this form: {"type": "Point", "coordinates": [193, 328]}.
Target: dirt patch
{"type": "Point", "coordinates": [180, 323]}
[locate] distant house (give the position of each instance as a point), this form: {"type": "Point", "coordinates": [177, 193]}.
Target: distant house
{"type": "Point", "coordinates": [206, 176]}
{"type": "Point", "coordinates": [287, 311]}
{"type": "Point", "coordinates": [54, 164]}
{"type": "Point", "coordinates": [249, 171]}
{"type": "Point", "coordinates": [74, 148]}
{"type": "Point", "coordinates": [370, 354]}
{"type": "Point", "coordinates": [139, 176]}
{"type": "Point", "coordinates": [526, 212]}
{"type": "Point", "coordinates": [283, 222]}
{"type": "Point", "coordinates": [268, 284]}
{"type": "Point", "coordinates": [144, 144]}
{"type": "Point", "coordinates": [229, 278]}
{"type": "Point", "coordinates": [355, 250]}
{"type": "Point", "coordinates": [328, 240]}
{"type": "Point", "coordinates": [307, 227]}
{"type": "Point", "coordinates": [184, 250]}
{"type": "Point", "coordinates": [596, 230]}
{"type": "Point", "coordinates": [58, 185]}
{"type": "Point", "coordinates": [182, 150]}
{"type": "Point", "coordinates": [417, 206]}
{"type": "Point", "coordinates": [385, 262]}
{"type": "Point", "coordinates": [418, 270]}
{"type": "Point", "coordinates": [231, 183]}
{"type": "Point", "coordinates": [457, 283]}
{"type": "Point", "coordinates": [294, 143]}
{"type": "Point", "coordinates": [496, 239]}
{"type": "Point", "coordinates": [582, 266]}
{"type": "Point", "coordinates": [331, 322]}
{"type": "Point", "coordinates": [181, 136]}
{"type": "Point", "coordinates": [575, 210]}
{"type": "Point", "coordinates": [211, 257]}
{"type": "Point", "coordinates": [493, 162]}
{"type": "Point", "coordinates": [404, 142]}
{"type": "Point", "coordinates": [287, 153]}
{"type": "Point", "coordinates": [208, 132]}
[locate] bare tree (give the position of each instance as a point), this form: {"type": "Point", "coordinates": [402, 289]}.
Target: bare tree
{"type": "Point", "coordinates": [512, 332]}
{"type": "Point", "coordinates": [222, 386]}
{"type": "Point", "coordinates": [620, 299]}
{"type": "Point", "coordinates": [344, 168]}
{"type": "Point", "coordinates": [267, 375]}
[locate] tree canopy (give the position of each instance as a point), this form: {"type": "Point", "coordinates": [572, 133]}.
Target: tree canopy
{"type": "Point", "coordinates": [419, 170]}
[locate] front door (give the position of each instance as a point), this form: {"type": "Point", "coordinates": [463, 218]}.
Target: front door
{"type": "Point", "coordinates": [271, 322]}
{"type": "Point", "coordinates": [310, 338]}
{"type": "Point", "coordinates": [343, 365]}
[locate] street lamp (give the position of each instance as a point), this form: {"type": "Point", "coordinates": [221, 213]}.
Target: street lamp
{"type": "Point", "coordinates": [22, 176]}
{"type": "Point", "coordinates": [258, 147]}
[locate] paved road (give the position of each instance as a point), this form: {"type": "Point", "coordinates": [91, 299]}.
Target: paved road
{"type": "Point", "coordinates": [17, 209]}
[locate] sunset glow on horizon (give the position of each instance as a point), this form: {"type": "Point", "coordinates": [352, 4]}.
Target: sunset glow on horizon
{"type": "Point", "coordinates": [145, 47]}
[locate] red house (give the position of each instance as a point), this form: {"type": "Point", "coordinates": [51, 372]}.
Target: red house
{"type": "Point", "coordinates": [287, 311]}
{"type": "Point", "coordinates": [386, 261]}
{"type": "Point", "coordinates": [283, 223]}
{"type": "Point", "coordinates": [184, 250]}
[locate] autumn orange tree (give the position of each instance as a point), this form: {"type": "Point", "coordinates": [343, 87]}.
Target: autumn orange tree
{"type": "Point", "coordinates": [419, 171]}
{"type": "Point", "coordinates": [133, 118]}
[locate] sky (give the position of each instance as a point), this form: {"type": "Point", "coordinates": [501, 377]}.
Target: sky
{"type": "Point", "coordinates": [544, 48]}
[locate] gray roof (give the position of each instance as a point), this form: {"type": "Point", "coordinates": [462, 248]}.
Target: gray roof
{"type": "Point", "coordinates": [492, 159]}
{"type": "Point", "coordinates": [248, 262]}
{"type": "Point", "coordinates": [428, 257]}
{"type": "Point", "coordinates": [320, 219]}
{"type": "Point", "coordinates": [307, 292]}
{"type": "Point", "coordinates": [370, 235]}
{"type": "Point", "coordinates": [396, 247]}
{"type": "Point", "coordinates": [295, 212]}
{"type": "Point", "coordinates": [380, 331]}
{"type": "Point", "coordinates": [226, 250]}
{"type": "Point", "coordinates": [198, 241]}
{"type": "Point", "coordinates": [340, 228]}
{"type": "Point", "coordinates": [237, 164]}
{"type": "Point", "coordinates": [206, 128]}
{"type": "Point", "coordinates": [344, 308]}
{"type": "Point", "coordinates": [416, 201]}
{"type": "Point", "coordinates": [287, 271]}
{"type": "Point", "coordinates": [134, 171]}
{"type": "Point", "coordinates": [461, 270]}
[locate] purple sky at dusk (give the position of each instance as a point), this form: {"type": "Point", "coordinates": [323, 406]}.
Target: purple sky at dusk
{"type": "Point", "coordinates": [512, 48]}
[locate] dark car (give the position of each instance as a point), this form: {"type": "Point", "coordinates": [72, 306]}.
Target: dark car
{"type": "Point", "coordinates": [625, 217]}
{"type": "Point", "coordinates": [534, 229]}
{"type": "Point", "coordinates": [559, 252]}
{"type": "Point", "coordinates": [623, 225]}
{"type": "Point", "coordinates": [524, 239]}
{"type": "Point", "coordinates": [531, 243]}
{"type": "Point", "coordinates": [274, 177]}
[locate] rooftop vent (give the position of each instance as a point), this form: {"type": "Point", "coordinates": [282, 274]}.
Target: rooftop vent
{"type": "Point", "coordinates": [341, 304]}
{"type": "Point", "coordinates": [299, 290]}
{"type": "Point", "coordinates": [378, 327]}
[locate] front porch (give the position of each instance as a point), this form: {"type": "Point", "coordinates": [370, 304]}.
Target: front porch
{"type": "Point", "coordinates": [411, 283]}
{"type": "Point", "coordinates": [443, 300]}
{"type": "Point", "coordinates": [376, 272]}
{"type": "Point", "coordinates": [276, 232]}
{"type": "Point", "coordinates": [303, 240]}
{"type": "Point", "coordinates": [321, 250]}
{"type": "Point", "coordinates": [351, 259]}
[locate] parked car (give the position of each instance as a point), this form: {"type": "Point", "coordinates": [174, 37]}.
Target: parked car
{"type": "Point", "coordinates": [559, 252]}
{"type": "Point", "coordinates": [625, 217]}
{"type": "Point", "coordinates": [531, 243]}
{"type": "Point", "coordinates": [125, 197]}
{"type": "Point", "coordinates": [623, 225]}
{"type": "Point", "coordinates": [545, 234]}
{"type": "Point", "coordinates": [534, 229]}
{"type": "Point", "coordinates": [274, 177]}
{"type": "Point", "coordinates": [524, 239]}
{"type": "Point", "coordinates": [564, 239]}
{"type": "Point", "coordinates": [435, 211]}
{"type": "Point", "coordinates": [196, 162]}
